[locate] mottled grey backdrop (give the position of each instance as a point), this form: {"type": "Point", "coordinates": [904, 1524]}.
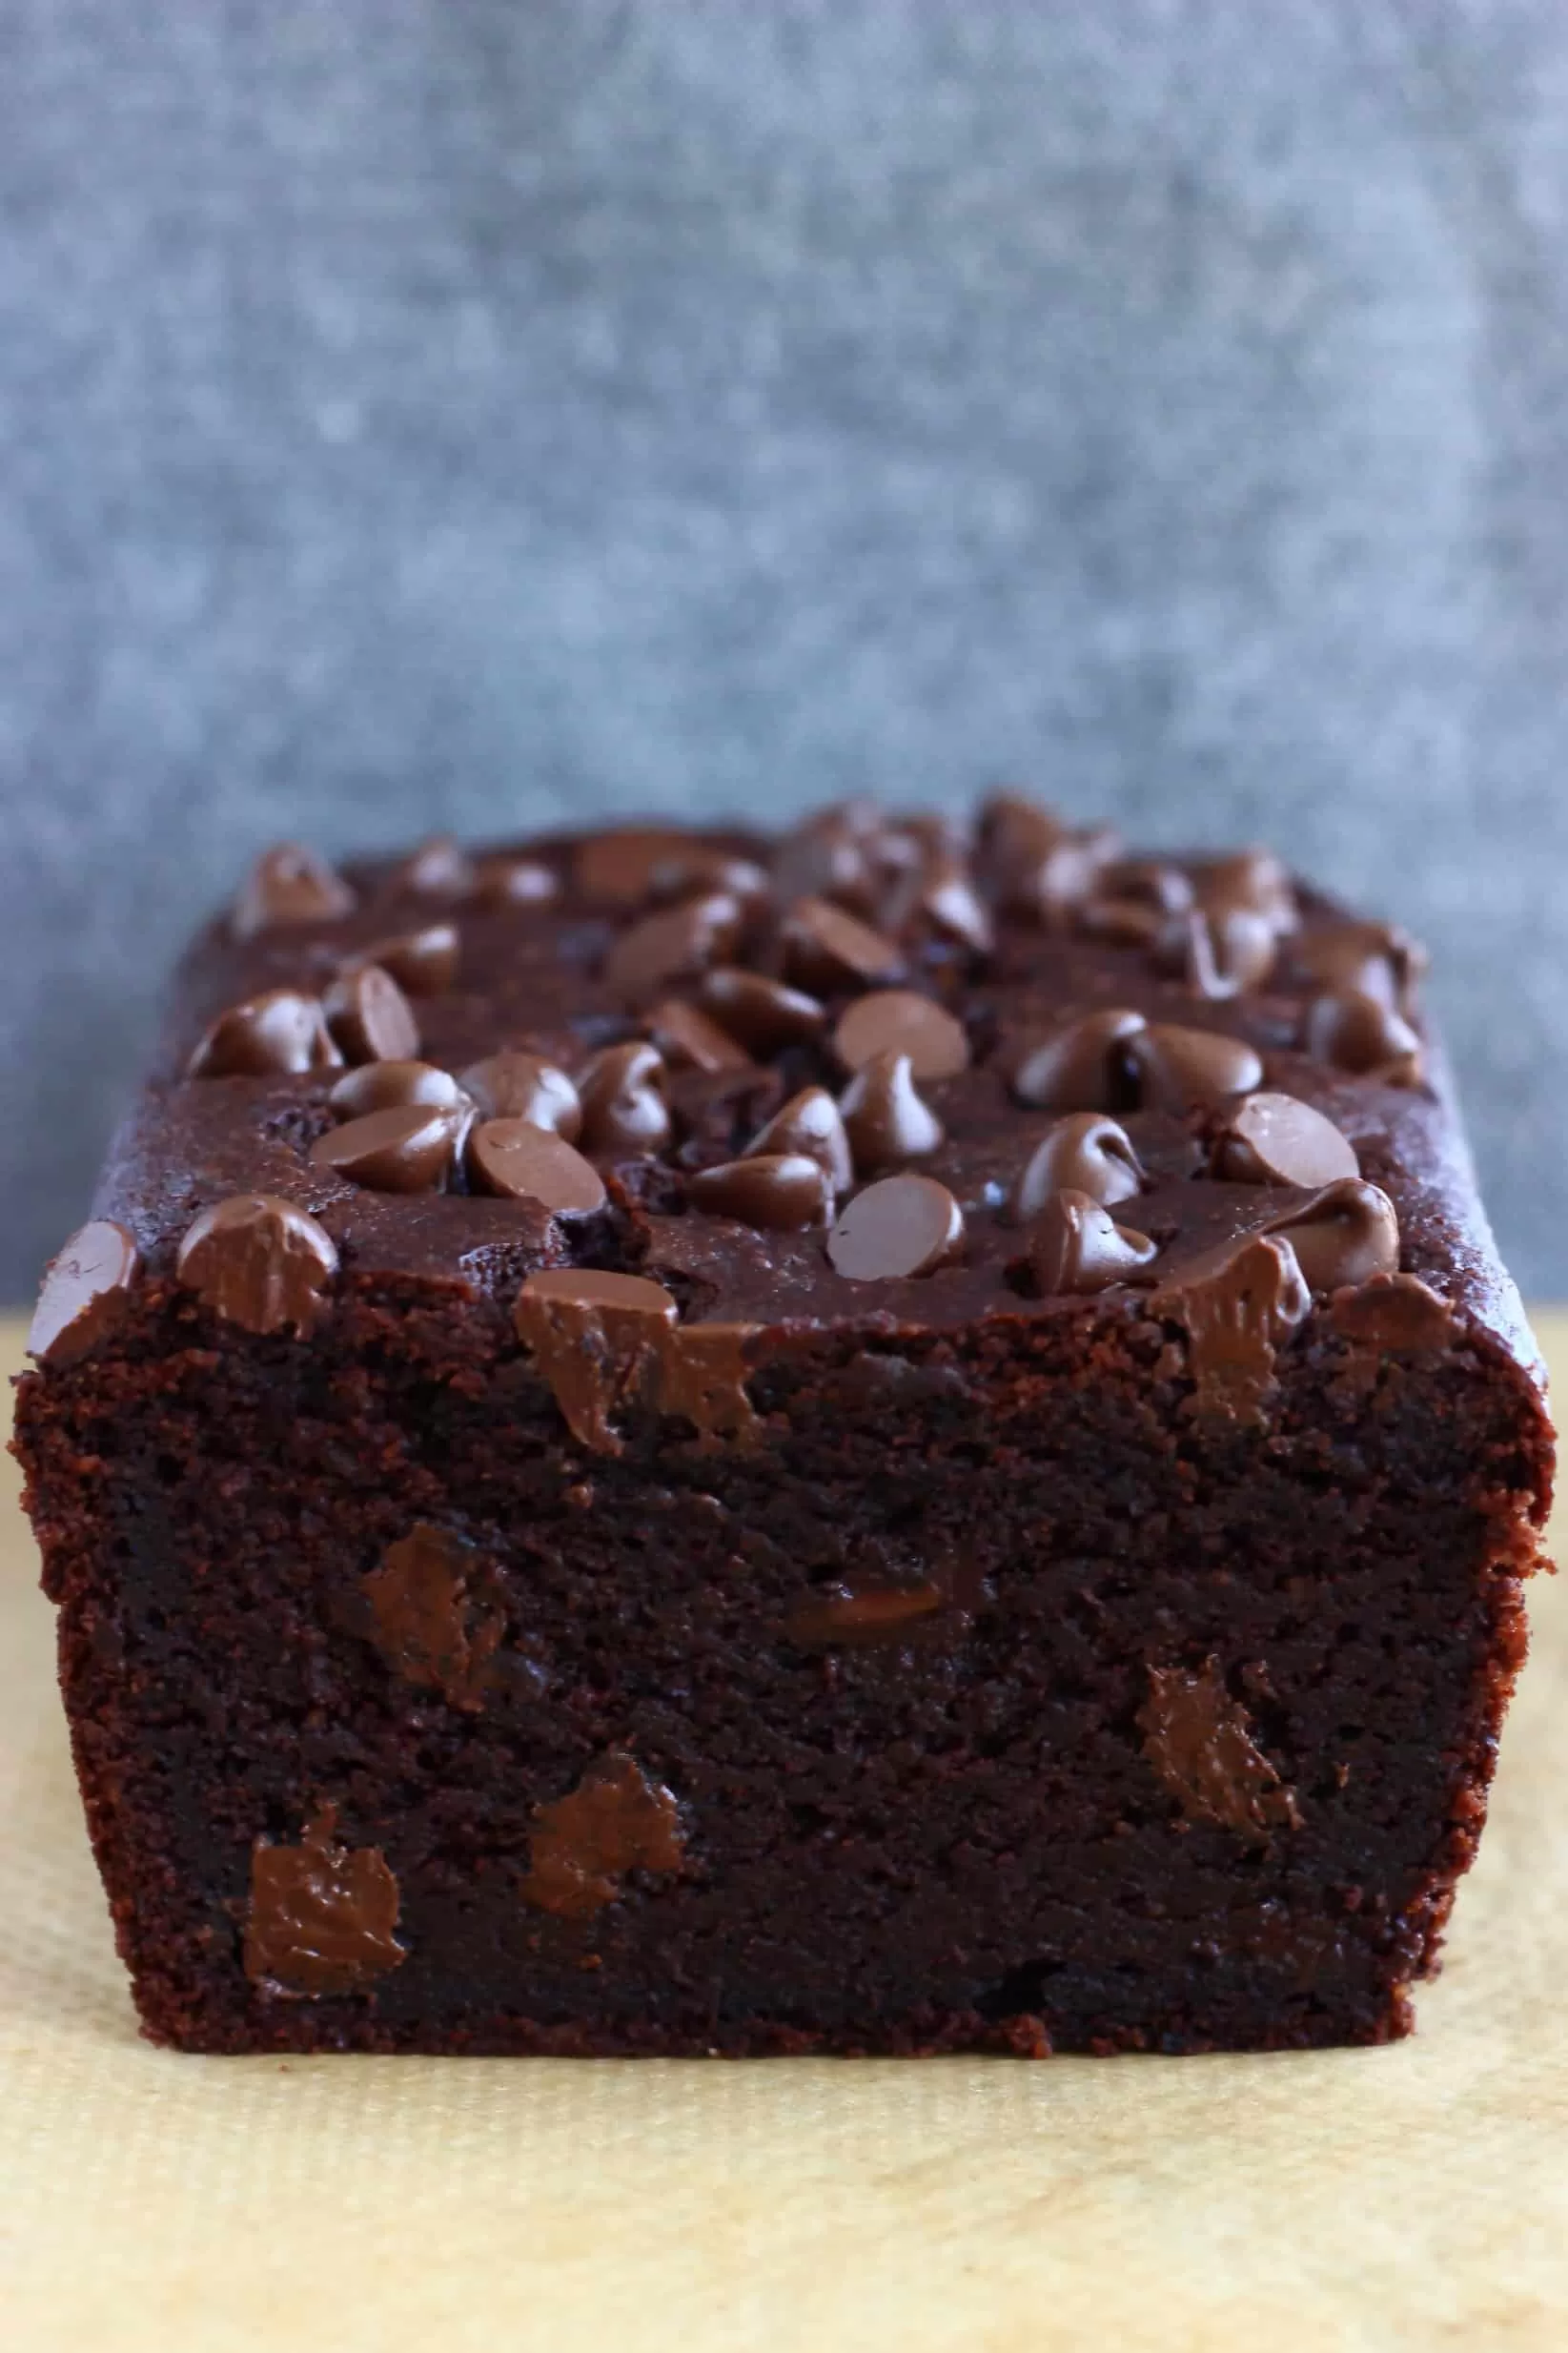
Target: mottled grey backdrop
{"type": "Point", "coordinates": [473, 413]}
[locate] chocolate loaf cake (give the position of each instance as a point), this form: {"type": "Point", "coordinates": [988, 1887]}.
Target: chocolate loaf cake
{"type": "Point", "coordinates": [904, 1439]}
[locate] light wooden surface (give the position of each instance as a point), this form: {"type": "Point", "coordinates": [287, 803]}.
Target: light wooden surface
{"type": "Point", "coordinates": [1412, 2198]}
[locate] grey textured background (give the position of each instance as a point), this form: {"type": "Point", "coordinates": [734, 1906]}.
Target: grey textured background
{"type": "Point", "coordinates": [467, 412]}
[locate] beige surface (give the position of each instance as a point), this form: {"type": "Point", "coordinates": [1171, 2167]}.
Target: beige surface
{"type": "Point", "coordinates": [1409, 2198]}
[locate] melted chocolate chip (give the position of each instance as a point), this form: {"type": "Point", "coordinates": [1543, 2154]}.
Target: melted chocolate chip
{"type": "Point", "coordinates": [896, 1021]}
{"type": "Point", "coordinates": [1271, 1140]}
{"type": "Point", "coordinates": [1396, 1312]}
{"type": "Point", "coordinates": [1083, 1067]}
{"type": "Point", "coordinates": [439, 869]}
{"type": "Point", "coordinates": [593, 1339]}
{"type": "Point", "coordinates": [810, 1122]}
{"type": "Point", "coordinates": [858, 1613]}
{"type": "Point", "coordinates": [885, 1119]}
{"type": "Point", "coordinates": [776, 1192]}
{"type": "Point", "coordinates": [903, 1225]}
{"type": "Point", "coordinates": [369, 1018]}
{"type": "Point", "coordinates": [1076, 1248]}
{"type": "Point", "coordinates": [679, 943]}
{"type": "Point", "coordinates": [616, 1820]}
{"type": "Point", "coordinates": [505, 881]}
{"type": "Point", "coordinates": [1345, 1234]}
{"type": "Point", "coordinates": [428, 1627]}
{"type": "Point", "coordinates": [1175, 1067]}
{"type": "Point", "coordinates": [763, 1015]}
{"type": "Point", "coordinates": [1084, 1153]}
{"type": "Point", "coordinates": [624, 1109]}
{"type": "Point", "coordinates": [259, 1262]}
{"type": "Point", "coordinates": [424, 963]}
{"type": "Point", "coordinates": [700, 1374]}
{"type": "Point", "coordinates": [86, 1291]}
{"type": "Point", "coordinates": [688, 1040]}
{"type": "Point", "coordinates": [321, 1916]}
{"type": "Point", "coordinates": [1239, 1303]}
{"type": "Point", "coordinates": [288, 885]}
{"type": "Point", "coordinates": [827, 950]}
{"type": "Point", "coordinates": [406, 1149]}
{"type": "Point", "coordinates": [385, 1086]}
{"type": "Point", "coordinates": [1199, 1742]}
{"type": "Point", "coordinates": [281, 1031]}
{"type": "Point", "coordinates": [525, 1086]}
{"type": "Point", "coordinates": [521, 1162]}
{"type": "Point", "coordinates": [1361, 1034]}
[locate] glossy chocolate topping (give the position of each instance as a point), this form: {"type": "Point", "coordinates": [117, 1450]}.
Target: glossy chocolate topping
{"type": "Point", "coordinates": [871, 993]}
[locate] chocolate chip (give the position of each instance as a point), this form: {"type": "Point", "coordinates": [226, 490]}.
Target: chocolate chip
{"type": "Point", "coordinates": [439, 869]}
{"type": "Point", "coordinates": [1374, 959]}
{"type": "Point", "coordinates": [1223, 953]}
{"type": "Point", "coordinates": [679, 943]}
{"type": "Point", "coordinates": [525, 1086]}
{"type": "Point", "coordinates": [828, 950]}
{"type": "Point", "coordinates": [1271, 1140]}
{"type": "Point", "coordinates": [1137, 903]}
{"type": "Point", "coordinates": [506, 881]}
{"type": "Point", "coordinates": [259, 1262]}
{"type": "Point", "coordinates": [688, 1040]}
{"type": "Point", "coordinates": [1361, 1034]}
{"type": "Point", "coordinates": [699, 867]}
{"type": "Point", "coordinates": [279, 1031]}
{"type": "Point", "coordinates": [87, 1288]}
{"type": "Point", "coordinates": [938, 900]}
{"type": "Point", "coordinates": [1255, 879]}
{"type": "Point", "coordinates": [763, 1015]}
{"type": "Point", "coordinates": [369, 1018]}
{"type": "Point", "coordinates": [616, 1820]}
{"type": "Point", "coordinates": [593, 1337]}
{"type": "Point", "coordinates": [525, 1163]}
{"type": "Point", "coordinates": [385, 1086]}
{"type": "Point", "coordinates": [424, 963]}
{"type": "Point", "coordinates": [897, 1021]}
{"type": "Point", "coordinates": [287, 886]}
{"type": "Point", "coordinates": [624, 1109]}
{"type": "Point", "coordinates": [830, 856]}
{"type": "Point", "coordinates": [903, 1225]}
{"type": "Point", "coordinates": [1345, 1234]}
{"type": "Point", "coordinates": [407, 1149]}
{"type": "Point", "coordinates": [1083, 1067]}
{"type": "Point", "coordinates": [1085, 1152]}
{"type": "Point", "coordinates": [1174, 1068]}
{"type": "Point", "coordinates": [1239, 1303]}
{"type": "Point", "coordinates": [854, 1612]}
{"type": "Point", "coordinates": [780, 1192]}
{"type": "Point", "coordinates": [1075, 1246]}
{"type": "Point", "coordinates": [616, 870]}
{"type": "Point", "coordinates": [1015, 831]}
{"type": "Point", "coordinates": [885, 1118]}
{"type": "Point", "coordinates": [810, 1122]}
{"type": "Point", "coordinates": [1199, 1741]}
{"type": "Point", "coordinates": [321, 1916]}
{"type": "Point", "coordinates": [1394, 1313]}
{"type": "Point", "coordinates": [427, 1625]}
